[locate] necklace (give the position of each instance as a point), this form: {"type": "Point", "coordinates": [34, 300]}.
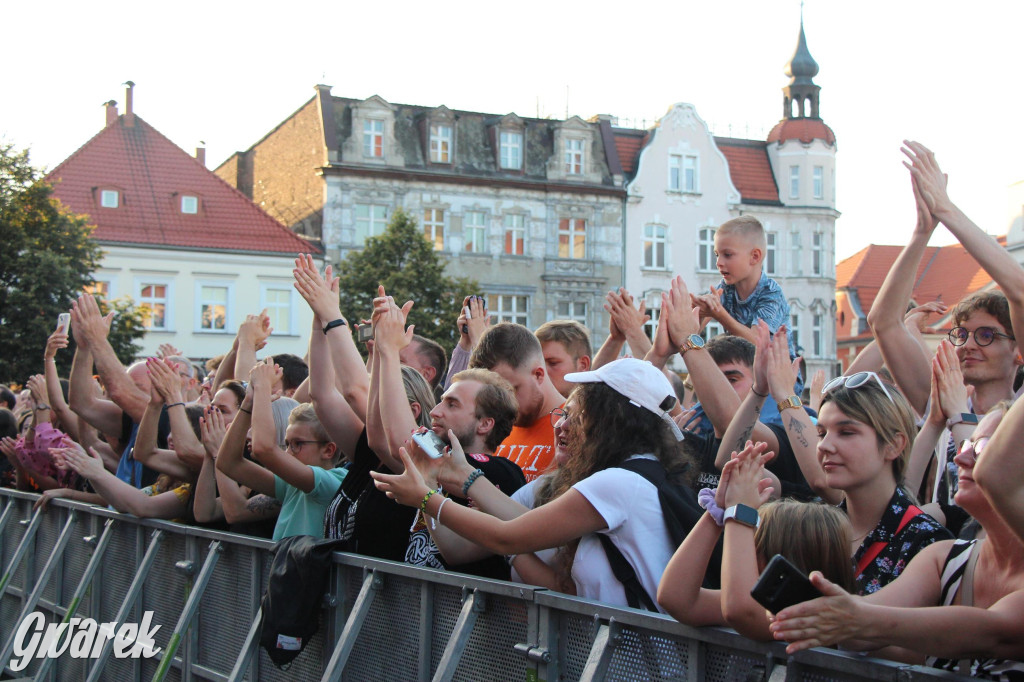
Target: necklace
{"type": "Point", "coordinates": [860, 538]}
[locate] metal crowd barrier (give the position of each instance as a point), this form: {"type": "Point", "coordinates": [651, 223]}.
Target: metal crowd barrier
{"type": "Point", "coordinates": [381, 620]}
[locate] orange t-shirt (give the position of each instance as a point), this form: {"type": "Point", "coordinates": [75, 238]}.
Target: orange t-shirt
{"type": "Point", "coordinates": [530, 447]}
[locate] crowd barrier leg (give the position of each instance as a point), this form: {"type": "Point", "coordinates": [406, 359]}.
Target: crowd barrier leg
{"type": "Point", "coordinates": [30, 604]}
{"type": "Point", "coordinates": [22, 551]}
{"type": "Point", "coordinates": [189, 611]}
{"type": "Point", "coordinates": [343, 647]}
{"type": "Point", "coordinates": [600, 657]}
{"type": "Point", "coordinates": [156, 539]}
{"type": "Point", "coordinates": [249, 648]}
{"type": "Point", "coordinates": [5, 518]}
{"type": "Point", "coordinates": [83, 585]}
{"type": "Point", "coordinates": [472, 606]}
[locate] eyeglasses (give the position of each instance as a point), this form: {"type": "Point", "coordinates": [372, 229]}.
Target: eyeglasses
{"type": "Point", "coordinates": [558, 414]}
{"type": "Point", "coordinates": [983, 336]}
{"type": "Point", "coordinates": [856, 381]}
{"type": "Point", "coordinates": [976, 445]}
{"type": "Point", "coordinates": [296, 445]}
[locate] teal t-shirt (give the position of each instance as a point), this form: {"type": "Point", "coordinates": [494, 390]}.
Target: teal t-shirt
{"type": "Point", "coordinates": [303, 513]}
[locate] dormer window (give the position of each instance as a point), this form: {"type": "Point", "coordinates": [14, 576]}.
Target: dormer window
{"type": "Point", "coordinates": [511, 150]}
{"type": "Point", "coordinates": [440, 143]}
{"type": "Point", "coordinates": [110, 198]}
{"type": "Point", "coordinates": [373, 138]}
{"type": "Point", "coordinates": [189, 204]}
{"type": "Point", "coordinates": [574, 156]}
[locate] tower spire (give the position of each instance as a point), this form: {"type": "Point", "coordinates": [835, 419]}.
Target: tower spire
{"type": "Point", "coordinates": [800, 96]}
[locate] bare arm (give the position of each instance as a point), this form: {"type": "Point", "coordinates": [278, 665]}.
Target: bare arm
{"type": "Point", "coordinates": [102, 414]}
{"type": "Point", "coordinates": [230, 460]}
{"type": "Point", "coordinates": [252, 335]}
{"type": "Point", "coordinates": [390, 337]}
{"type": "Point", "coordinates": [624, 323]}
{"type": "Point", "coordinates": [68, 419]}
{"type": "Point", "coordinates": [680, 592]}
{"type": "Point", "coordinates": [146, 451]}
{"type": "Point", "coordinates": [334, 412]}
{"type": "Point", "coordinates": [188, 448]}
{"type": "Point", "coordinates": [264, 437]}
{"type": "Point", "coordinates": [226, 369]}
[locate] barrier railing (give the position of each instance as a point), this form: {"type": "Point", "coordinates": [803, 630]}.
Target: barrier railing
{"type": "Point", "coordinates": [381, 620]}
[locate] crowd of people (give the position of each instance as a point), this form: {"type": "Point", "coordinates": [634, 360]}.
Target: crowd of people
{"type": "Point", "coordinates": [599, 474]}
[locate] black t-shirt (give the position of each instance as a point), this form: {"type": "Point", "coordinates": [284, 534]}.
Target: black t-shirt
{"type": "Point", "coordinates": [783, 465]}
{"type": "Point", "coordinates": [376, 526]}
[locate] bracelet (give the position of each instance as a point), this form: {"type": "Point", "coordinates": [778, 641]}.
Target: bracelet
{"type": "Point", "coordinates": [175, 405]}
{"type": "Point", "coordinates": [53, 360]}
{"type": "Point", "coordinates": [759, 395]}
{"type": "Point", "coordinates": [706, 499]}
{"type": "Point", "coordinates": [42, 406]}
{"type": "Point", "coordinates": [470, 481]}
{"type": "Point", "coordinates": [242, 409]}
{"type": "Point", "coordinates": [437, 517]}
{"type": "Point", "coordinates": [426, 498]}
{"type": "Point", "coordinates": [340, 322]}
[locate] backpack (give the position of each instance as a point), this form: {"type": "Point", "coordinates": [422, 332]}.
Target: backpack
{"type": "Point", "coordinates": [295, 593]}
{"type": "Point", "coordinates": [681, 512]}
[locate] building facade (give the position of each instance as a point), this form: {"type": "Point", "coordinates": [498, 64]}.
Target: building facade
{"type": "Point", "coordinates": [194, 253]}
{"type": "Point", "coordinates": [532, 209]}
{"type": "Point", "coordinates": [683, 182]}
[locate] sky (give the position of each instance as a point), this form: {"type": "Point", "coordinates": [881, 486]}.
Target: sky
{"type": "Point", "coordinates": [944, 73]}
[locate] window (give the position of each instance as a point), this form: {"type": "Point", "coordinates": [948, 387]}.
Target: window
{"type": "Point", "coordinates": [371, 221]}
{"type": "Point", "coordinates": [690, 173]}
{"type": "Point", "coordinates": [373, 138]}
{"type": "Point", "coordinates": [99, 288]}
{"type": "Point", "coordinates": [109, 198]}
{"type": "Point", "coordinates": [511, 151]}
{"type": "Point", "coordinates": [770, 256]}
{"type": "Point", "coordinates": [794, 253]}
{"type": "Point", "coordinates": [654, 310]}
{"type": "Point", "coordinates": [573, 310]}
{"type": "Point", "coordinates": [213, 307]}
{"type": "Point", "coordinates": [476, 231]}
{"type": "Point", "coordinates": [816, 331]}
{"type": "Point", "coordinates": [433, 227]}
{"type": "Point", "coordinates": [817, 253]}
{"type": "Point", "coordinates": [153, 301]}
{"type": "Point", "coordinates": [706, 261]}
{"type": "Point", "coordinates": [819, 182]}
{"type": "Point", "coordinates": [509, 308]}
{"type": "Point", "coordinates": [189, 204]}
{"type": "Point", "coordinates": [675, 172]}
{"type": "Point", "coordinates": [712, 330]}
{"type": "Point", "coordinates": [572, 238]}
{"type": "Point", "coordinates": [654, 246]}
{"type": "Point", "coordinates": [794, 331]}
{"type": "Point", "coordinates": [277, 299]}
{"type": "Point", "coordinates": [794, 182]}
{"type": "Point", "coordinates": [440, 143]}
{"type": "Point", "coordinates": [515, 234]}
{"type": "Point", "coordinates": [574, 157]}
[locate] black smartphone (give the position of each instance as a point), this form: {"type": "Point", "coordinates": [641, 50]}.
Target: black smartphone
{"type": "Point", "coordinates": [430, 443]}
{"type": "Point", "coordinates": [365, 333]}
{"type": "Point", "coordinates": [781, 585]}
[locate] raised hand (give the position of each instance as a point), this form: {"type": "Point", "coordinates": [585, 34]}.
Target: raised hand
{"type": "Point", "coordinates": [389, 324]}
{"type": "Point", "coordinates": [56, 341]}
{"type": "Point", "coordinates": [949, 380]}
{"type": "Point", "coordinates": [163, 375]}
{"type": "Point", "coordinates": [782, 371]}
{"type": "Point", "coordinates": [264, 375]}
{"type": "Point", "coordinates": [213, 428]}
{"type": "Point", "coordinates": [748, 483]}
{"type": "Point", "coordinates": [167, 350]}
{"type": "Point", "coordinates": [89, 327]}
{"type": "Point", "coordinates": [917, 318]}
{"type": "Point", "coordinates": [320, 292]}
{"type": "Point", "coordinates": [683, 320]}
{"type": "Point", "coordinates": [37, 387]}
{"type": "Point", "coordinates": [623, 318]}
{"type": "Point", "coordinates": [255, 330]}
{"type": "Point", "coordinates": [762, 357]}
{"type": "Point", "coordinates": [929, 181]}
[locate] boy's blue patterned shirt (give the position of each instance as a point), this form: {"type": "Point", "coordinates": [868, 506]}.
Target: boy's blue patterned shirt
{"type": "Point", "coordinates": [767, 302]}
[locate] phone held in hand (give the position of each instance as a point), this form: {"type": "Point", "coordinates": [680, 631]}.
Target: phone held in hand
{"type": "Point", "coordinates": [430, 443]}
{"type": "Point", "coordinates": [782, 585]}
{"type": "Point", "coordinates": [64, 322]}
{"type": "Point", "coordinates": [469, 314]}
{"type": "Point", "coordinates": [365, 332]}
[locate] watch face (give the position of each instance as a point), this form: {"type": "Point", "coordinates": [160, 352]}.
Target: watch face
{"type": "Point", "coordinates": [696, 340]}
{"type": "Point", "coordinates": [746, 515]}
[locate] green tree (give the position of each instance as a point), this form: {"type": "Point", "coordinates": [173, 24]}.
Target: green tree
{"type": "Point", "coordinates": [406, 264]}
{"type": "Point", "coordinates": [48, 258]}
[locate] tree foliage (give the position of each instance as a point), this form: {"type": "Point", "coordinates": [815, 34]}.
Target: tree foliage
{"type": "Point", "coordinates": [48, 258]}
{"type": "Point", "coordinates": [406, 264]}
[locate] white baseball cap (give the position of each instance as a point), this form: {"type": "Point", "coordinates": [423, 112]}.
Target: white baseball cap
{"type": "Point", "coordinates": [641, 382]}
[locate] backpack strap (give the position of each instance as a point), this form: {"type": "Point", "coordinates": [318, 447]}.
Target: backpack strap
{"type": "Point", "coordinates": [876, 547]}
{"type": "Point", "coordinates": [636, 595]}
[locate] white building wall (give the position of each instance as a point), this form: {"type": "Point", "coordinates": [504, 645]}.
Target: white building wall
{"type": "Point", "coordinates": [253, 282]}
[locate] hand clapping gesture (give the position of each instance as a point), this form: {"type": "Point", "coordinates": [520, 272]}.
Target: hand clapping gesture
{"type": "Point", "coordinates": [320, 292]}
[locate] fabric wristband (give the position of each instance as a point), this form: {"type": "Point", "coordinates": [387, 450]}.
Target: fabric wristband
{"type": "Point", "coordinates": [706, 499]}
{"type": "Point", "coordinates": [470, 481]}
{"type": "Point", "coordinates": [175, 405]}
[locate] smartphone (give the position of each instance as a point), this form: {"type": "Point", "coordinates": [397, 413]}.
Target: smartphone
{"type": "Point", "coordinates": [365, 332]}
{"type": "Point", "coordinates": [468, 314]}
{"type": "Point", "coordinates": [781, 585]}
{"type": "Point", "coordinates": [64, 320]}
{"type": "Point", "coordinates": [430, 443]}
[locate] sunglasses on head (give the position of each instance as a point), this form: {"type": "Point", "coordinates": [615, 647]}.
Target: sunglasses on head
{"type": "Point", "coordinates": [856, 381]}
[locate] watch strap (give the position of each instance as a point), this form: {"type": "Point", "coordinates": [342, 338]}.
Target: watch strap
{"type": "Point", "coordinates": [340, 322]}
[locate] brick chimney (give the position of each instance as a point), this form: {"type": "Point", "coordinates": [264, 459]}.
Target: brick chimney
{"type": "Point", "coordinates": [201, 154]}
{"type": "Point", "coordinates": [129, 112]}
{"type": "Point", "coordinates": [111, 111]}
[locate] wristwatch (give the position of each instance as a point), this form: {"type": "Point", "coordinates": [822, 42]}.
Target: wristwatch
{"type": "Point", "coordinates": [791, 401]}
{"type": "Point", "coordinates": [962, 418]}
{"type": "Point", "coordinates": [741, 513]}
{"type": "Point", "coordinates": [692, 341]}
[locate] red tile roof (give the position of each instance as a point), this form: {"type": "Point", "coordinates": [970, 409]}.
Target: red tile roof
{"type": "Point", "coordinates": [628, 144]}
{"type": "Point", "coordinates": [750, 169]}
{"type": "Point", "coordinates": [946, 272]}
{"type": "Point", "coordinates": [151, 173]}
{"type": "Point", "coordinates": [804, 129]}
